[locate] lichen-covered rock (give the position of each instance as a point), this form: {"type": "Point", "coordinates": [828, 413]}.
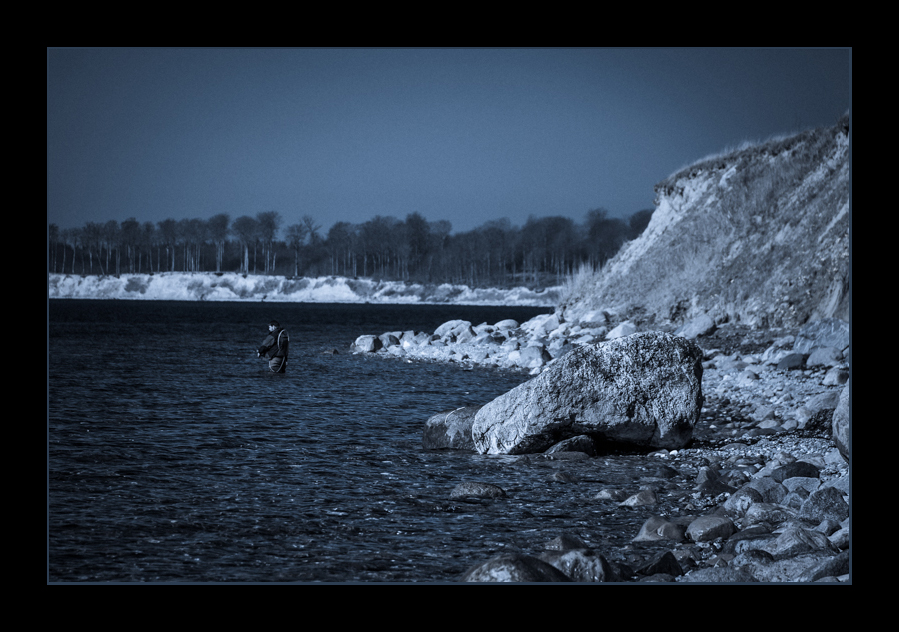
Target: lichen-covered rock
{"type": "Point", "coordinates": [642, 390]}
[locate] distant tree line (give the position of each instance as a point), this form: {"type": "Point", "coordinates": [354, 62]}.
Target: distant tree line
{"type": "Point", "coordinates": [497, 253]}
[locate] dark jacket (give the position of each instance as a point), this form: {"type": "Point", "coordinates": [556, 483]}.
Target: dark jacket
{"type": "Point", "coordinates": [275, 345]}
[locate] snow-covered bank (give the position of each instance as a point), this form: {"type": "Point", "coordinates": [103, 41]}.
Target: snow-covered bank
{"type": "Point", "coordinates": [230, 286]}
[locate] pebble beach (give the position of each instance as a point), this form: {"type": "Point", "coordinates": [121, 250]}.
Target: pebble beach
{"type": "Point", "coordinates": [761, 494]}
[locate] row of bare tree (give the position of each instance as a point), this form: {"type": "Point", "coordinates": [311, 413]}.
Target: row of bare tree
{"type": "Point", "coordinates": [413, 249]}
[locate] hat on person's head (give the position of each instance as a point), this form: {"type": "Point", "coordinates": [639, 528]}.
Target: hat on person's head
{"type": "Point", "coordinates": [274, 323]}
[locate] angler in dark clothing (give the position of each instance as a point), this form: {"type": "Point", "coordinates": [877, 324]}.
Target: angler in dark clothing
{"type": "Point", "coordinates": [274, 347]}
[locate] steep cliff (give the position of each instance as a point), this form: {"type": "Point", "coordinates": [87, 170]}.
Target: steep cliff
{"type": "Point", "coordinates": [758, 236]}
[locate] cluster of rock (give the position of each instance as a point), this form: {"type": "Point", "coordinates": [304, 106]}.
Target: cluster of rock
{"type": "Point", "coordinates": [773, 509]}
{"type": "Point", "coordinates": [793, 383]}
{"type": "Point", "coordinates": [506, 344]}
{"type": "Point", "coordinates": [771, 518]}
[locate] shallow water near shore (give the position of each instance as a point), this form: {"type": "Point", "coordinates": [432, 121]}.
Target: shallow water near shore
{"type": "Point", "coordinates": [175, 455]}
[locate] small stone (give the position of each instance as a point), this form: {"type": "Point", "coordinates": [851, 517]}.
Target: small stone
{"type": "Point", "coordinates": [641, 499]}
{"type": "Point", "coordinates": [807, 484]}
{"type": "Point", "coordinates": [610, 494]}
{"type": "Point", "coordinates": [791, 362]}
{"type": "Point", "coordinates": [796, 540]}
{"type": "Point", "coordinates": [840, 538]}
{"type": "Point", "coordinates": [581, 565]}
{"type": "Point", "coordinates": [700, 326]}
{"type": "Point", "coordinates": [836, 376]}
{"type": "Point", "coordinates": [767, 513]}
{"type": "Point", "coordinates": [657, 528]}
{"type": "Point", "coordinates": [515, 567]}
{"type": "Point", "coordinates": [740, 501]}
{"type": "Point", "coordinates": [719, 575]}
{"type": "Point", "coordinates": [771, 490]}
{"type": "Point", "coordinates": [450, 429]}
{"type": "Point", "coordinates": [792, 470]}
{"type": "Point", "coordinates": [476, 490]}
{"type": "Point", "coordinates": [664, 563]}
{"type": "Point", "coordinates": [825, 503]}
{"type": "Point", "coordinates": [563, 477]}
{"type": "Point", "coordinates": [368, 344]}
{"type": "Point", "coordinates": [708, 528]}
{"type": "Point", "coordinates": [565, 542]}
{"type": "Point", "coordinates": [824, 356]}
{"type": "Point", "coordinates": [747, 378]}
{"type": "Point", "coordinates": [580, 443]}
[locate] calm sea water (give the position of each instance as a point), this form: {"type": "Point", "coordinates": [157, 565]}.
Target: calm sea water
{"type": "Point", "coordinates": [175, 455]}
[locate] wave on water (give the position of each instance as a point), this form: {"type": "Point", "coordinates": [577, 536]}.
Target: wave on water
{"type": "Point", "coordinates": [231, 286]}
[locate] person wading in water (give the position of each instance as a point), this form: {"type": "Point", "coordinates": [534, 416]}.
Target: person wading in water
{"type": "Point", "coordinates": [274, 347]}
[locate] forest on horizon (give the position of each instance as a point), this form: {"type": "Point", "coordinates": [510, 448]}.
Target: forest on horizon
{"type": "Point", "coordinates": [543, 251]}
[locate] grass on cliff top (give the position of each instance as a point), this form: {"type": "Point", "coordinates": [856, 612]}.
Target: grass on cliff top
{"type": "Point", "coordinates": [750, 150]}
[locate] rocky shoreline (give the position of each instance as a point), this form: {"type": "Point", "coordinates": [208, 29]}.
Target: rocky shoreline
{"type": "Point", "coordinates": [761, 494]}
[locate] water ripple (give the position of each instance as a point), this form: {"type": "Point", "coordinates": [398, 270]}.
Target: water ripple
{"type": "Point", "coordinates": [176, 456]}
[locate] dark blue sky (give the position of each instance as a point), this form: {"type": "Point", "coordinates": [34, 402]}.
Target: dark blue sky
{"type": "Point", "coordinates": [465, 135]}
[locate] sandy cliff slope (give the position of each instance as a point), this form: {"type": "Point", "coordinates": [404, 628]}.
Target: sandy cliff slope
{"type": "Point", "coordinates": [758, 236]}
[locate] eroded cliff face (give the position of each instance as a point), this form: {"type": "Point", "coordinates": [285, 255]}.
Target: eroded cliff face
{"type": "Point", "coordinates": [759, 236]}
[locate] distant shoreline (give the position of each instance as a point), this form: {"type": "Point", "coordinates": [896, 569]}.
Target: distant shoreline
{"type": "Point", "coordinates": [234, 286]}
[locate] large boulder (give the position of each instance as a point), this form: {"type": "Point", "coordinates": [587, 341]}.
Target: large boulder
{"type": "Point", "coordinates": [642, 390]}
